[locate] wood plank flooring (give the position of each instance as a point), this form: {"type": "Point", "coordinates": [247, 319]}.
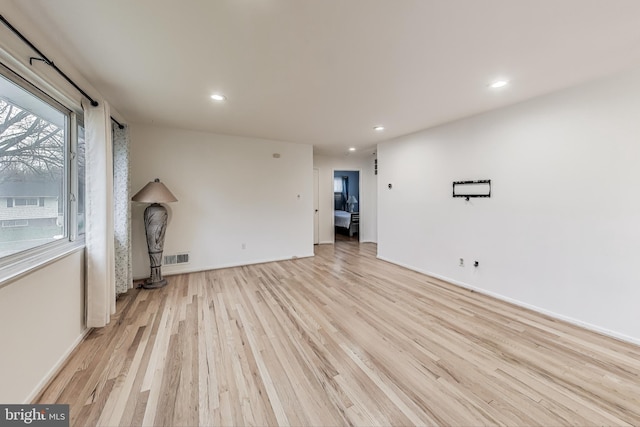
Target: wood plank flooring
{"type": "Point", "coordinates": [337, 340]}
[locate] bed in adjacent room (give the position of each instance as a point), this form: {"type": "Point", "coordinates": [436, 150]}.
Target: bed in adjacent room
{"type": "Point", "coordinates": [349, 221]}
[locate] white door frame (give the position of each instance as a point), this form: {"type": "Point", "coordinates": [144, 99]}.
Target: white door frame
{"type": "Point", "coordinates": [316, 206]}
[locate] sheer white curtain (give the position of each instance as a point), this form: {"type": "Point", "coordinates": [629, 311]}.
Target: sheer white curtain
{"type": "Point", "coordinates": [122, 209]}
{"type": "Point", "coordinates": [100, 290]}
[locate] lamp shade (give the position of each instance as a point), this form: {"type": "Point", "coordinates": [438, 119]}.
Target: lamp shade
{"type": "Point", "coordinates": [352, 199]}
{"type": "Point", "coordinates": [154, 192]}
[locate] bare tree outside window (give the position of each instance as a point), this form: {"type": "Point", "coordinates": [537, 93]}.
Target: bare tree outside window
{"type": "Point", "coordinates": [29, 145]}
{"type": "Point", "coordinates": [32, 166]}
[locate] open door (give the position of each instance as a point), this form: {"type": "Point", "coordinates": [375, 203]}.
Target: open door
{"type": "Point", "coordinates": [346, 196]}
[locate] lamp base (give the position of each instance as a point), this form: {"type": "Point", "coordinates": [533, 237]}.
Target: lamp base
{"type": "Point", "coordinates": [148, 284]}
{"type": "Point", "coordinates": [155, 224]}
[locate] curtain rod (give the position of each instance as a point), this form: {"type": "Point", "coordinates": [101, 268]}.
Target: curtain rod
{"type": "Point", "coordinates": [50, 63]}
{"type": "Point", "coordinates": [120, 125]}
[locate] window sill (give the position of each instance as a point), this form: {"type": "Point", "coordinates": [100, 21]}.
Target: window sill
{"type": "Point", "coordinates": [19, 268]}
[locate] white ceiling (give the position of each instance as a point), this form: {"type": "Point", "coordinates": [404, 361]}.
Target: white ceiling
{"type": "Point", "coordinates": [325, 72]}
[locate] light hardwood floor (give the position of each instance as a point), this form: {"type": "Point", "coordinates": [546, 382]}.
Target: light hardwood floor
{"type": "Point", "coordinates": [340, 339]}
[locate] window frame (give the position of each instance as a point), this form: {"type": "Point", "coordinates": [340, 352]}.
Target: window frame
{"type": "Point", "coordinates": [23, 262]}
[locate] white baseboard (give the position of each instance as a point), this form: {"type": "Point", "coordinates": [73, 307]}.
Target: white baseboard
{"type": "Point", "coordinates": [39, 388]}
{"type": "Point", "coordinates": [518, 303]}
{"type": "Point", "coordinates": [186, 269]}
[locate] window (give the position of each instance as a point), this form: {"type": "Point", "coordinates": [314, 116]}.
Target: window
{"type": "Point", "coordinates": [25, 202]}
{"type": "Point", "coordinates": [36, 165]}
{"type": "Point", "coordinates": [15, 223]}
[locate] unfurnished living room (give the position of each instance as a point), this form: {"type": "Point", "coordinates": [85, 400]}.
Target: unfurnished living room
{"type": "Point", "coordinates": [319, 212]}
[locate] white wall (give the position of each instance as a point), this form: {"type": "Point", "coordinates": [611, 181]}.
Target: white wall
{"type": "Point", "coordinates": [368, 194]}
{"type": "Point", "coordinates": [41, 321]}
{"type": "Point", "coordinates": [231, 191]}
{"type": "Point", "coordinates": [561, 231]}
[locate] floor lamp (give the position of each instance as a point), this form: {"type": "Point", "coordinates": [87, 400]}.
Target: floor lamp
{"type": "Point", "coordinates": [155, 225]}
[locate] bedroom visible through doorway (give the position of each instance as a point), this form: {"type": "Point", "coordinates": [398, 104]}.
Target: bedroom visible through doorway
{"type": "Point", "coordinates": [346, 205]}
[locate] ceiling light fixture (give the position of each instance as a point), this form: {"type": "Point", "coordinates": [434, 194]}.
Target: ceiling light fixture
{"type": "Point", "coordinates": [378, 128]}
{"type": "Point", "coordinates": [352, 148]}
{"type": "Point", "coordinates": [218, 97]}
{"type": "Point", "coordinates": [498, 84]}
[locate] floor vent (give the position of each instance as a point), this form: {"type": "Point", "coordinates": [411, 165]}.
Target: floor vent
{"type": "Point", "coordinates": [176, 259]}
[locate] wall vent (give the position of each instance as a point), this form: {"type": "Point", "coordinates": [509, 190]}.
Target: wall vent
{"type": "Point", "coordinates": [182, 258]}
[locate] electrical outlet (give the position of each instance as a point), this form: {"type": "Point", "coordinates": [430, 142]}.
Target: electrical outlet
{"type": "Point", "coordinates": [244, 246]}
{"type": "Point", "coordinates": [476, 264]}
{"type": "Point", "coordinates": [461, 262]}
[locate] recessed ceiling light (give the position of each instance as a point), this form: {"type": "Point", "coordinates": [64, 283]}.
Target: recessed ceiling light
{"type": "Point", "coordinates": [378, 128]}
{"type": "Point", "coordinates": [498, 84]}
{"type": "Point", "coordinates": [218, 97]}
{"type": "Point", "coordinates": [352, 149]}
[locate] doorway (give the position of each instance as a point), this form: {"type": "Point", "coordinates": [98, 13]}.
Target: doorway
{"type": "Point", "coordinates": [316, 204]}
{"type": "Point", "coordinates": [346, 205]}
